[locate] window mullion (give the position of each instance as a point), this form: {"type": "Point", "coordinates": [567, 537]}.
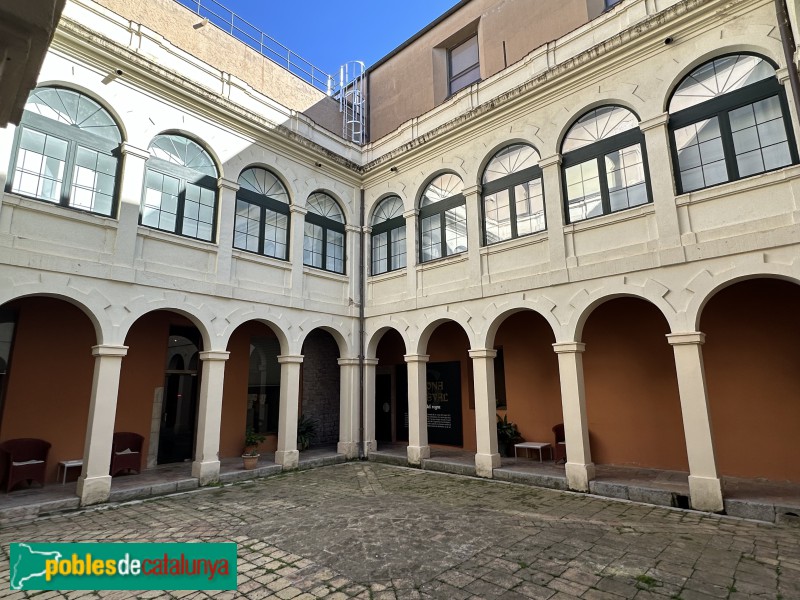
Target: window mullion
{"type": "Point", "coordinates": [443, 240]}
{"type": "Point", "coordinates": [181, 202]}
{"type": "Point", "coordinates": [727, 144]}
{"type": "Point", "coordinates": [69, 167]}
{"type": "Point", "coordinates": [324, 265]}
{"type": "Point", "coordinates": [512, 208]}
{"type": "Point", "coordinates": [605, 197]}
{"type": "Point", "coordinates": [262, 227]}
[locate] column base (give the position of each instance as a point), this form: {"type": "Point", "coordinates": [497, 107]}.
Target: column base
{"type": "Point", "coordinates": [206, 472]}
{"type": "Point", "coordinates": [417, 453]}
{"type": "Point", "coordinates": [94, 490]}
{"type": "Point", "coordinates": [370, 447]}
{"type": "Point", "coordinates": [288, 459]}
{"type": "Point", "coordinates": [349, 449]}
{"type": "Point", "coordinates": [579, 475]}
{"type": "Point", "coordinates": [705, 493]}
{"type": "Point", "coordinates": [485, 464]}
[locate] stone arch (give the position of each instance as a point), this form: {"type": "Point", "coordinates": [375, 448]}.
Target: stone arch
{"type": "Point", "coordinates": [495, 317]}
{"type": "Point", "coordinates": [200, 316]}
{"type": "Point", "coordinates": [259, 313]}
{"type": "Point", "coordinates": [420, 344]}
{"type": "Point", "coordinates": [376, 333]}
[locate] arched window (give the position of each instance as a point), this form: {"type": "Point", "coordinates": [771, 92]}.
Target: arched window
{"type": "Point", "coordinates": [388, 236]}
{"type": "Point", "coordinates": [262, 214]}
{"type": "Point", "coordinates": [729, 119]}
{"type": "Point", "coordinates": [180, 193]}
{"type": "Point", "coordinates": [323, 242]}
{"type": "Point", "coordinates": [513, 202]}
{"type": "Point", "coordinates": [604, 164]}
{"type": "Point", "coordinates": [67, 151]}
{"type": "Point", "coordinates": [443, 218]}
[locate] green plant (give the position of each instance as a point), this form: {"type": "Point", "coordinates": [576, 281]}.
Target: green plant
{"type": "Point", "coordinates": [507, 434]}
{"type": "Point", "coordinates": [251, 441]}
{"type": "Point", "coordinates": [306, 432]}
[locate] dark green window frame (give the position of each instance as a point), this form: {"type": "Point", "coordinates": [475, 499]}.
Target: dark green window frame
{"type": "Point", "coordinates": [720, 107]}
{"type": "Point", "coordinates": [441, 209]}
{"type": "Point", "coordinates": [509, 182]}
{"type": "Point", "coordinates": [265, 203]}
{"type": "Point", "coordinates": [387, 227]}
{"type": "Point", "coordinates": [328, 225]}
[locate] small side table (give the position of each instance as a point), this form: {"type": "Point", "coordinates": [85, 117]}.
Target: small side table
{"type": "Point", "coordinates": [67, 465]}
{"type": "Point", "coordinates": [534, 446]}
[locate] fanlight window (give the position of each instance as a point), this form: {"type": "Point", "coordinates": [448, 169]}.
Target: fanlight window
{"type": "Point", "coordinates": [604, 164]}
{"type": "Point", "coordinates": [388, 236]}
{"type": "Point", "coordinates": [180, 193]}
{"type": "Point", "coordinates": [262, 214]}
{"type": "Point", "coordinates": [728, 120]}
{"type": "Point", "coordinates": [513, 198]}
{"type": "Point", "coordinates": [67, 151]}
{"type": "Point", "coordinates": [443, 218]}
{"type": "Point", "coordinates": [324, 234]}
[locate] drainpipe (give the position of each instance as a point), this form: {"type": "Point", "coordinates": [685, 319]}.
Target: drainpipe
{"type": "Point", "coordinates": [362, 452]}
{"type": "Point", "coordinates": [789, 47]}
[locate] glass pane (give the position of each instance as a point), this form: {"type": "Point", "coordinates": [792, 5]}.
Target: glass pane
{"type": "Point", "coordinates": [389, 208]}
{"type": "Point", "coordinates": [398, 250]}
{"type": "Point", "coordinates": [160, 206]}
{"type": "Point", "coordinates": [261, 181]}
{"type": "Point", "coordinates": [529, 199]}
{"type": "Point", "coordinates": [464, 79]}
{"type": "Point", "coordinates": [312, 245]}
{"type": "Point", "coordinates": [442, 187]}
{"type": "Point", "coordinates": [198, 217]}
{"type": "Point", "coordinates": [91, 189]}
{"type": "Point", "coordinates": [246, 226]}
{"type": "Point", "coordinates": [182, 151]}
{"type": "Point", "coordinates": [73, 108]}
{"type": "Point", "coordinates": [759, 137]}
{"type": "Point", "coordinates": [325, 206]}
{"type": "Point", "coordinates": [624, 174]}
{"type": "Point", "coordinates": [39, 171]}
{"type": "Point", "coordinates": [275, 233]}
{"type": "Point", "coordinates": [456, 230]}
{"type": "Point", "coordinates": [334, 257]}
{"type": "Point", "coordinates": [511, 159]}
{"type": "Point", "coordinates": [583, 195]}
{"type": "Point", "coordinates": [497, 215]}
{"type": "Point", "coordinates": [464, 56]}
{"type": "Point", "coordinates": [599, 124]}
{"type": "Point", "coordinates": [431, 237]}
{"type": "Point", "coordinates": [701, 156]}
{"type": "Point", "coordinates": [379, 246]}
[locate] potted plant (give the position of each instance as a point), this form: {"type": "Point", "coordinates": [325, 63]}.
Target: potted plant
{"type": "Point", "coordinates": [507, 436]}
{"type": "Point", "coordinates": [250, 455]}
{"type": "Point", "coordinates": [306, 432]}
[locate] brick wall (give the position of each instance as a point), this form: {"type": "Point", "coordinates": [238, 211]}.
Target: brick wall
{"type": "Point", "coordinates": [321, 385]}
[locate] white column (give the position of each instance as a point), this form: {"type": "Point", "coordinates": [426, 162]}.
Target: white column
{"type": "Point", "coordinates": [130, 198]}
{"type": "Point", "coordinates": [704, 484]}
{"type": "Point", "coordinates": [287, 455]}
{"type": "Point", "coordinates": [487, 458]}
{"type": "Point", "coordinates": [472, 197]}
{"type": "Point", "coordinates": [554, 213]}
{"type": "Point", "coordinates": [662, 184]}
{"type": "Point", "coordinates": [579, 467]}
{"type": "Point", "coordinates": [94, 484]}
{"type": "Point", "coordinates": [417, 408]}
{"type": "Point", "coordinates": [209, 417]}
{"type": "Point", "coordinates": [297, 224]}
{"type": "Point", "coordinates": [370, 444]}
{"type": "Point", "coordinates": [353, 258]}
{"type": "Point", "coordinates": [349, 418]}
{"type": "Point", "coordinates": [227, 218]}
{"type": "Point", "coordinates": [412, 251]}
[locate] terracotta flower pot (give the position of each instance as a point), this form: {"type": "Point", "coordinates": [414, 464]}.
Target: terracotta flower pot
{"type": "Point", "coordinates": [250, 462]}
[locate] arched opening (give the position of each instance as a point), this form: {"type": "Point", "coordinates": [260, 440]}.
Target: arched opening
{"type": "Point", "coordinates": [251, 392]}
{"type": "Point", "coordinates": [527, 385]}
{"type": "Point", "coordinates": [451, 398]}
{"type": "Point", "coordinates": [159, 387]}
{"type": "Point", "coordinates": [320, 389]}
{"type": "Point", "coordinates": [46, 396]}
{"type": "Point", "coordinates": [391, 392]}
{"type": "Point", "coordinates": [632, 400]}
{"type": "Point", "coordinates": [751, 366]}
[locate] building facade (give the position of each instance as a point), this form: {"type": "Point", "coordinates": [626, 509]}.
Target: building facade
{"type": "Point", "coordinates": [602, 233]}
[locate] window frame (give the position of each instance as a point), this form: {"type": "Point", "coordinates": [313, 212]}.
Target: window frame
{"type": "Point", "coordinates": [74, 137]}
{"type": "Point", "coordinates": [328, 224]}
{"type": "Point", "coordinates": [441, 207]}
{"type": "Point", "coordinates": [264, 202]}
{"type": "Point", "coordinates": [720, 107]}
{"type": "Point", "coordinates": [387, 227]}
{"type": "Point", "coordinates": [509, 182]}
{"type": "Point", "coordinates": [452, 76]}
{"type": "Point", "coordinates": [598, 150]}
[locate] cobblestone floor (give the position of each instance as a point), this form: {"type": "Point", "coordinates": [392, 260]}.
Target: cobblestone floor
{"type": "Point", "coordinates": [366, 530]}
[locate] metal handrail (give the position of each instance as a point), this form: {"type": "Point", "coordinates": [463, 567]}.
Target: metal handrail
{"type": "Point", "coordinates": [237, 27]}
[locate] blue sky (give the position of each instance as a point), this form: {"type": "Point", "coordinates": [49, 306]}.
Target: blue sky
{"type": "Point", "coordinates": [329, 34]}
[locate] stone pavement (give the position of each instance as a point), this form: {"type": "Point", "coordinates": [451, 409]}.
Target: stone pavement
{"type": "Point", "coordinates": [368, 530]}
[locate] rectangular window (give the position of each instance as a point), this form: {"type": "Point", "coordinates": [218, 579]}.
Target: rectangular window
{"type": "Point", "coordinates": [312, 245]}
{"type": "Point", "coordinates": [40, 165]}
{"type": "Point", "coordinates": [161, 201]}
{"type": "Point", "coordinates": [380, 246]}
{"type": "Point", "coordinates": [701, 158]}
{"type": "Point", "coordinates": [93, 181]}
{"type": "Point", "coordinates": [583, 191]}
{"type": "Point", "coordinates": [625, 177]}
{"type": "Point", "coordinates": [275, 227]}
{"type": "Point", "coordinates": [246, 226]}
{"type": "Point", "coordinates": [463, 66]}
{"type": "Point", "coordinates": [759, 137]}
{"type": "Point", "coordinates": [334, 252]}
{"type": "Point", "coordinates": [456, 229]}
{"type": "Point", "coordinates": [529, 203]}
{"type": "Point", "coordinates": [198, 212]}
{"type": "Point", "coordinates": [431, 237]}
{"type": "Point", "coordinates": [498, 216]}
{"type": "Point", "coordinates": [398, 259]}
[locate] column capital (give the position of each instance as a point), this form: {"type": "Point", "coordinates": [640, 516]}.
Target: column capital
{"type": "Point", "coordinates": [134, 151]}
{"type": "Point", "coordinates": [352, 228]}
{"type": "Point", "coordinates": [411, 214]}
{"type": "Point", "coordinates": [473, 190]}
{"type": "Point", "coordinates": [109, 350]}
{"type": "Point", "coordinates": [370, 362]}
{"type": "Point", "coordinates": [783, 75]}
{"type": "Point", "coordinates": [290, 358]}
{"type": "Point", "coordinates": [686, 338]}
{"type": "Point", "coordinates": [348, 362]}
{"type": "Point", "coordinates": [655, 122]}
{"type": "Point", "coordinates": [212, 355]}
{"type": "Point", "coordinates": [416, 358]}
{"type": "Point", "coordinates": [569, 347]}
{"type": "Point", "coordinates": [227, 184]}
{"type": "Point", "coordinates": [483, 353]}
{"type": "Point", "coordinates": [367, 229]}
{"type": "Point", "coordinates": [293, 208]}
{"type": "Point", "coordinates": [550, 161]}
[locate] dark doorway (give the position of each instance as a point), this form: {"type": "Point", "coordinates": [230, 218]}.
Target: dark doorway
{"type": "Point", "coordinates": [179, 408]}
{"type": "Point", "coordinates": [383, 407]}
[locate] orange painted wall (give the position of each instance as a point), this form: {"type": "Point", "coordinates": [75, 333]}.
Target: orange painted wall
{"type": "Point", "coordinates": [234, 394]}
{"type": "Point", "coordinates": [50, 381]}
{"type": "Point", "coordinates": [632, 399]}
{"type": "Point", "coordinates": [752, 367]}
{"type": "Point", "coordinates": [533, 389]}
{"type": "Point", "coordinates": [450, 343]}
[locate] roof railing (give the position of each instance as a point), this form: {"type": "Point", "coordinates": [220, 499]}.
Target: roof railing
{"type": "Point", "coordinates": [231, 23]}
